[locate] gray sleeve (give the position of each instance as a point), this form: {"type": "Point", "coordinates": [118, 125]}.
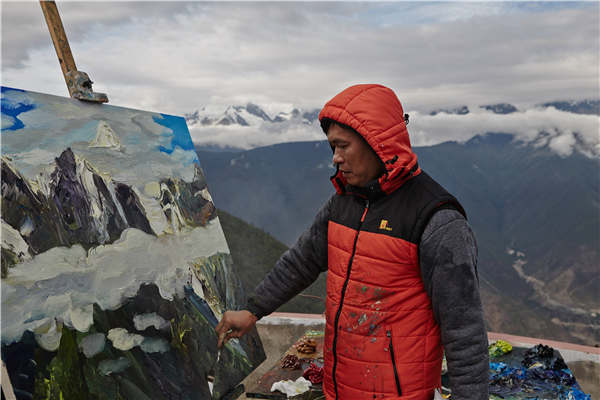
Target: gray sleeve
{"type": "Point", "coordinates": [448, 259]}
{"type": "Point", "coordinates": [295, 270]}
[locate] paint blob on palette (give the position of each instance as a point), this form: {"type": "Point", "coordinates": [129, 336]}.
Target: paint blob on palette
{"type": "Point", "coordinates": [115, 269]}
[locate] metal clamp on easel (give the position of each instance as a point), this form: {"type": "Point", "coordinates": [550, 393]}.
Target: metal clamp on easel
{"type": "Point", "coordinates": [78, 82]}
{"type": "Point", "coordinates": [80, 87]}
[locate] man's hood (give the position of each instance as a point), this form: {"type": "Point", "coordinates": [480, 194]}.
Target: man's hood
{"type": "Point", "coordinates": [376, 114]}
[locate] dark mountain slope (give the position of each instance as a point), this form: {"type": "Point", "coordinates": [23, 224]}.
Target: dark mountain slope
{"type": "Point", "coordinates": [254, 253]}
{"type": "Point", "coordinates": [278, 188]}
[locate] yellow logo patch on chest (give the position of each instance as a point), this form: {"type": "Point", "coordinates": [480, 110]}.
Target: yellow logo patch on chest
{"type": "Point", "coordinates": [384, 225]}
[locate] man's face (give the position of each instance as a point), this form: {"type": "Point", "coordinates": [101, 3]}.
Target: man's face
{"type": "Point", "coordinates": [357, 162]}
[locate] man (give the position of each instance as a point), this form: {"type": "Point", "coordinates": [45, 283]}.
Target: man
{"type": "Point", "coordinates": [400, 261]}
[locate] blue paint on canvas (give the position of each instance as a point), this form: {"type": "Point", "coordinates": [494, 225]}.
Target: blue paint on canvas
{"type": "Point", "coordinates": [201, 305]}
{"type": "Point", "coordinates": [180, 137]}
{"type": "Point", "coordinates": [12, 109]}
{"type": "Point", "coordinates": [4, 89]}
{"type": "Point", "coordinates": [85, 133]}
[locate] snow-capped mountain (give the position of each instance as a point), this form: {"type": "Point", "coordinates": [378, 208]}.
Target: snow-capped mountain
{"type": "Point", "coordinates": [591, 107]}
{"type": "Point", "coordinates": [460, 110]}
{"type": "Point", "coordinates": [564, 125]}
{"type": "Point", "coordinates": [578, 107]}
{"type": "Point", "coordinates": [500, 108]}
{"type": "Point", "coordinates": [252, 114]}
{"type": "Point", "coordinates": [247, 115]}
{"type": "Point", "coordinates": [106, 137]}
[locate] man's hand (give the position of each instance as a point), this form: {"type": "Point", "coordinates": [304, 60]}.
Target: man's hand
{"type": "Point", "coordinates": [234, 324]}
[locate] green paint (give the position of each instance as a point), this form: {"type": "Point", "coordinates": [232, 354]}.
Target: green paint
{"type": "Point", "coordinates": [9, 259]}
{"type": "Point", "coordinates": [230, 361]}
{"type": "Point", "coordinates": [73, 226]}
{"type": "Point", "coordinates": [315, 333]}
{"type": "Point", "coordinates": [499, 348]}
{"type": "Point", "coordinates": [43, 389]}
{"type": "Point", "coordinates": [178, 330]}
{"type": "Point", "coordinates": [240, 361]}
{"type": "Point", "coordinates": [219, 289]}
{"type": "Point", "coordinates": [101, 387]}
{"type": "Point", "coordinates": [68, 374]}
{"type": "Point", "coordinates": [63, 378]}
{"type": "Point", "coordinates": [378, 292]}
{"type": "Point", "coordinates": [137, 367]}
{"type": "Point", "coordinates": [130, 391]}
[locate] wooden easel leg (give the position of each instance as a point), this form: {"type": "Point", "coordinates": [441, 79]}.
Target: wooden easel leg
{"type": "Point", "coordinates": [7, 389]}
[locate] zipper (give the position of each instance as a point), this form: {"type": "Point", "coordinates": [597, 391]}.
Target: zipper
{"type": "Point", "coordinates": [391, 347]}
{"type": "Point", "coordinates": [339, 310]}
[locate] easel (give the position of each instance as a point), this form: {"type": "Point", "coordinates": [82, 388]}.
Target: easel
{"type": "Point", "coordinates": [7, 389]}
{"type": "Point", "coordinates": [78, 82]}
{"type": "Point", "coordinates": [80, 87]}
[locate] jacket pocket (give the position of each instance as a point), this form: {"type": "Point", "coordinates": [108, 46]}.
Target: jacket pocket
{"type": "Point", "coordinates": [391, 351]}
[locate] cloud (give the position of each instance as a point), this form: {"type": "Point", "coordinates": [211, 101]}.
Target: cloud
{"type": "Point", "coordinates": [538, 126]}
{"type": "Point", "coordinates": [563, 144]}
{"type": "Point", "coordinates": [24, 27]}
{"type": "Point", "coordinates": [562, 131]}
{"type": "Point", "coordinates": [256, 136]}
{"type": "Point", "coordinates": [176, 57]}
{"type": "Point", "coordinates": [62, 280]}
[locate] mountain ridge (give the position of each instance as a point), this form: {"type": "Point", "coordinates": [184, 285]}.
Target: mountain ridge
{"type": "Point", "coordinates": [565, 124]}
{"type": "Point", "coordinates": [77, 204]}
{"type": "Point", "coordinates": [239, 114]}
{"type": "Point", "coordinates": [247, 115]}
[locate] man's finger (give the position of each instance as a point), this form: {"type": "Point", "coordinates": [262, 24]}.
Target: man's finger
{"type": "Point", "coordinates": [231, 335]}
{"type": "Point", "coordinates": [225, 335]}
{"type": "Point", "coordinates": [222, 339]}
{"type": "Point", "coordinates": [219, 326]}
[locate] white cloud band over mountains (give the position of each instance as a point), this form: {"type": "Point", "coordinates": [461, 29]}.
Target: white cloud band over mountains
{"type": "Point", "coordinates": [561, 131]}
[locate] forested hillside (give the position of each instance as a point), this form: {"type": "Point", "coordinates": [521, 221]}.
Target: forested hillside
{"type": "Point", "coordinates": [254, 253]}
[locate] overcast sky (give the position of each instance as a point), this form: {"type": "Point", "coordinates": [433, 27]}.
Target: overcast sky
{"type": "Point", "coordinates": [176, 57]}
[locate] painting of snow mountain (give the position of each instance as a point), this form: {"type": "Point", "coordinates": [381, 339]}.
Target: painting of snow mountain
{"type": "Point", "coordinates": [115, 269]}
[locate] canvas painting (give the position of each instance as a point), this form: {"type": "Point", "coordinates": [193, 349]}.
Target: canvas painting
{"type": "Point", "coordinates": [115, 269]}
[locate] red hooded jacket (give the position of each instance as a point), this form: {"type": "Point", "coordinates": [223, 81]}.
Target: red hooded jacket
{"type": "Point", "coordinates": [381, 339]}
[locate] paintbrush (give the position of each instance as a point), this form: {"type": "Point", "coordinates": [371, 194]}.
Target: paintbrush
{"type": "Point", "coordinates": [210, 374]}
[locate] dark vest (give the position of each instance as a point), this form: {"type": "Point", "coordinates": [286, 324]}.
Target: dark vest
{"type": "Point", "coordinates": [381, 339]}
